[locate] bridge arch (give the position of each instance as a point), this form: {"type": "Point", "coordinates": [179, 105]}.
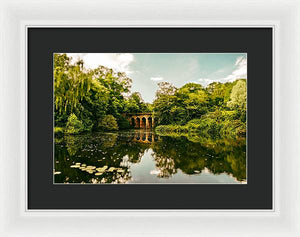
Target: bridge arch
{"type": "Point", "coordinates": [137, 122]}
{"type": "Point", "coordinates": [144, 122]}
{"type": "Point", "coordinates": [132, 122]}
{"type": "Point", "coordinates": [141, 120]}
{"type": "Point", "coordinates": [150, 122]}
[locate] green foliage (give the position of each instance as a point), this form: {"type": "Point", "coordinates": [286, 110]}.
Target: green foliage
{"type": "Point", "coordinates": [108, 123]}
{"type": "Point", "coordinates": [219, 110]}
{"type": "Point", "coordinates": [167, 129]}
{"type": "Point", "coordinates": [58, 131]}
{"type": "Point", "coordinates": [92, 94]}
{"type": "Point", "coordinates": [219, 93]}
{"type": "Point", "coordinates": [238, 97]}
{"type": "Point", "coordinates": [214, 125]}
{"type": "Point", "coordinates": [178, 106]}
{"type": "Point", "coordinates": [71, 83]}
{"type": "Point", "coordinates": [96, 99]}
{"type": "Point", "coordinates": [74, 125]}
{"type": "Point", "coordinates": [123, 123]}
{"type": "Point", "coordinates": [135, 104]}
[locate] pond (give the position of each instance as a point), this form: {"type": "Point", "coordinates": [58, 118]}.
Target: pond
{"type": "Point", "coordinates": [142, 156]}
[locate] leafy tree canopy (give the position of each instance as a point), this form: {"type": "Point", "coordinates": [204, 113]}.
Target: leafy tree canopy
{"type": "Point", "coordinates": [87, 99]}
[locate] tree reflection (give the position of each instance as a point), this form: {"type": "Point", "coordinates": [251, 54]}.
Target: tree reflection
{"type": "Point", "coordinates": [219, 156]}
{"type": "Point", "coordinates": [118, 151]}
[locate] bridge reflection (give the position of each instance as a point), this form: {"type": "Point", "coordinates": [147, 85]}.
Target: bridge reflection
{"type": "Point", "coordinates": [144, 136]}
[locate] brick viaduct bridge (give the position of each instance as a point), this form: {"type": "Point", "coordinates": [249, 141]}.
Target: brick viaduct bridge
{"type": "Point", "coordinates": [141, 120]}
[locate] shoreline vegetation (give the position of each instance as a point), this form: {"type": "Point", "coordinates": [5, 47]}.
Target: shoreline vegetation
{"type": "Point", "coordinates": [87, 100]}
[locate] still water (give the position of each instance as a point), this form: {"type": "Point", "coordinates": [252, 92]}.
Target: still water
{"type": "Point", "coordinates": [141, 156]}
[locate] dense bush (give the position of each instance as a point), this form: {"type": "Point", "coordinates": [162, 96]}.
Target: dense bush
{"type": "Point", "coordinates": [123, 123]}
{"type": "Point", "coordinates": [74, 126]}
{"type": "Point", "coordinates": [164, 129]}
{"type": "Point", "coordinates": [58, 131]}
{"type": "Point", "coordinates": [215, 124]}
{"type": "Point", "coordinates": [108, 123]}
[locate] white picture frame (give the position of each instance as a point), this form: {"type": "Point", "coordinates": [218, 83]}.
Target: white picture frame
{"type": "Point", "coordinates": [282, 15]}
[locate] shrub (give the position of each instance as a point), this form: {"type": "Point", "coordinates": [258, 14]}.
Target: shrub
{"type": "Point", "coordinates": [58, 131]}
{"type": "Point", "coordinates": [87, 124]}
{"type": "Point", "coordinates": [108, 123]}
{"type": "Point", "coordinates": [166, 129]}
{"type": "Point", "coordinates": [194, 121]}
{"type": "Point", "coordinates": [233, 128]}
{"type": "Point", "coordinates": [123, 123]}
{"type": "Point", "coordinates": [74, 125]}
{"type": "Point", "coordinates": [212, 125]}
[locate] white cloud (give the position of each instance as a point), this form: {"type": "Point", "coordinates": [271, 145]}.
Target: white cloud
{"type": "Point", "coordinates": [156, 78]}
{"type": "Point", "coordinates": [155, 172]}
{"type": "Point", "coordinates": [205, 81]}
{"type": "Point", "coordinates": [193, 82]}
{"type": "Point", "coordinates": [117, 61]}
{"type": "Point", "coordinates": [240, 70]}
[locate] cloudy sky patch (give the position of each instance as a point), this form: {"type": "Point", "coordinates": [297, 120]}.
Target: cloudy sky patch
{"type": "Point", "coordinates": [240, 70]}
{"type": "Point", "coordinates": [156, 78]}
{"type": "Point", "coordinates": [117, 61]}
{"type": "Point", "coordinates": [148, 69]}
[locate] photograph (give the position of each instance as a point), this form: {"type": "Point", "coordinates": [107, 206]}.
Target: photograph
{"type": "Point", "coordinates": [149, 118]}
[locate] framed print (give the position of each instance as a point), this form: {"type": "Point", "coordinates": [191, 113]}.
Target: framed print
{"type": "Point", "coordinates": [161, 119]}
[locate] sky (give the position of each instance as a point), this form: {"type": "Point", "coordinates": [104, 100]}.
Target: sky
{"type": "Point", "coordinates": [148, 69]}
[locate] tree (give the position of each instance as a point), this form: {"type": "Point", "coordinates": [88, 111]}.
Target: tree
{"type": "Point", "coordinates": [238, 96]}
{"type": "Point", "coordinates": [108, 123]}
{"type": "Point", "coordinates": [193, 109]}
{"type": "Point", "coordinates": [135, 104]}
{"type": "Point", "coordinates": [196, 104]}
{"type": "Point", "coordinates": [89, 94]}
{"type": "Point", "coordinates": [178, 106]}
{"type": "Point", "coordinates": [163, 108]}
{"type": "Point", "coordinates": [71, 83]}
{"type": "Point", "coordinates": [164, 102]}
{"type": "Point", "coordinates": [117, 84]}
{"type": "Point", "coordinates": [74, 126]}
{"type": "Point", "coordinates": [165, 88]}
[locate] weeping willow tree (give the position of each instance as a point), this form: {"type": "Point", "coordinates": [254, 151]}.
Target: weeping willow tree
{"type": "Point", "coordinates": [88, 94]}
{"type": "Point", "coordinates": [71, 83]}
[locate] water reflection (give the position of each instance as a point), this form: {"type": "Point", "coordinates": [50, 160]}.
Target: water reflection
{"type": "Point", "coordinates": [141, 156]}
